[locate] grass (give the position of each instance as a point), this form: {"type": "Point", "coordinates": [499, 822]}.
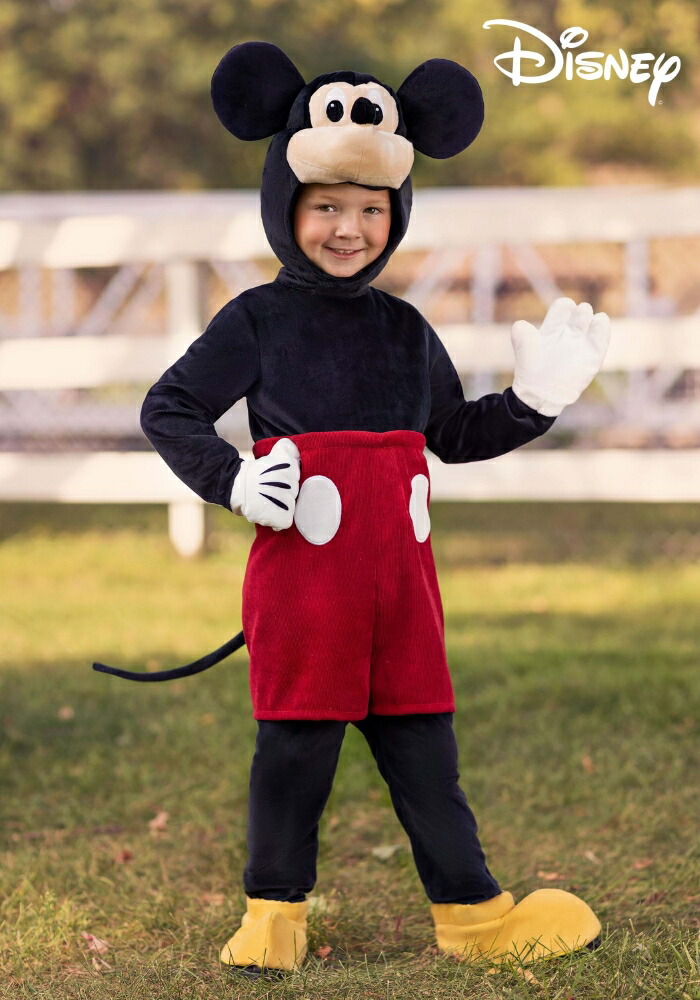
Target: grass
{"type": "Point", "coordinates": [572, 634]}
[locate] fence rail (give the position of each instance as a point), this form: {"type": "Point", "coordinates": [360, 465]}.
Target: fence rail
{"type": "Point", "coordinates": [180, 234]}
{"type": "Point", "coordinates": [87, 362]}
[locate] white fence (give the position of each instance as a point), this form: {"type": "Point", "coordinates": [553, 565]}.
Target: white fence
{"type": "Point", "coordinates": [180, 232]}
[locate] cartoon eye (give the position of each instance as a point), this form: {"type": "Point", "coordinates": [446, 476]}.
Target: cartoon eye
{"type": "Point", "coordinates": [376, 98]}
{"type": "Point", "coordinates": [378, 102]}
{"type": "Point", "coordinates": [335, 104]}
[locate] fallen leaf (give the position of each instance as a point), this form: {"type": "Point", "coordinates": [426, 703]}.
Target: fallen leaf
{"type": "Point", "coordinates": [686, 725]}
{"type": "Point", "coordinates": [123, 856]}
{"type": "Point", "coordinates": [99, 963]}
{"type": "Point", "coordinates": [158, 824]}
{"type": "Point", "coordinates": [333, 822]}
{"type": "Point", "coordinates": [643, 863]}
{"type": "Point", "coordinates": [527, 975]}
{"type": "Point", "coordinates": [549, 876]}
{"type": "Point", "coordinates": [386, 852]}
{"type": "Point", "coordinates": [397, 928]}
{"type": "Point", "coordinates": [65, 713]}
{"type": "Point", "coordinates": [208, 719]}
{"type": "Point", "coordinates": [213, 898]}
{"type": "Point", "coordinates": [587, 764]}
{"type": "Point", "coordinates": [654, 897]}
{"type": "Point", "coordinates": [76, 970]}
{"type": "Point", "coordinates": [95, 943]}
{"type": "Point", "coordinates": [592, 857]}
{"type": "Point", "coordinates": [324, 951]}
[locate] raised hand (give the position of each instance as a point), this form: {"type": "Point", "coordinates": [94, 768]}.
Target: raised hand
{"type": "Point", "coordinates": [553, 365]}
{"type": "Point", "coordinates": [265, 489]}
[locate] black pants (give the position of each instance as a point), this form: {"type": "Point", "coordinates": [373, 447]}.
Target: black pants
{"type": "Point", "coordinates": [291, 778]}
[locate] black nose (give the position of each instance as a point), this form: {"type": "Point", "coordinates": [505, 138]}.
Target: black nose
{"type": "Point", "coordinates": [366, 113]}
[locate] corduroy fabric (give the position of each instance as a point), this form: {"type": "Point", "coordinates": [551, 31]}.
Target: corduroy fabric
{"type": "Point", "coordinates": [354, 625]}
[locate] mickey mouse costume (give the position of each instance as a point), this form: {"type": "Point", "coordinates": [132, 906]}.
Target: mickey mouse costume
{"type": "Point", "coordinates": [345, 385]}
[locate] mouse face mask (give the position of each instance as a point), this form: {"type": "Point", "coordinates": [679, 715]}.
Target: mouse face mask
{"type": "Point", "coordinates": [342, 127]}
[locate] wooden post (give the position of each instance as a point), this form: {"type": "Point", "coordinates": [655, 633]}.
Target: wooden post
{"type": "Point", "coordinates": [187, 527]}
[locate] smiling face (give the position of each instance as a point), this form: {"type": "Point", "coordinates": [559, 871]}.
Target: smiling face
{"type": "Point", "coordinates": [341, 227]}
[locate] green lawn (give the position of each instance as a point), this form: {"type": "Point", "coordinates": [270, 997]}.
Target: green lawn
{"type": "Point", "coordinates": [573, 634]}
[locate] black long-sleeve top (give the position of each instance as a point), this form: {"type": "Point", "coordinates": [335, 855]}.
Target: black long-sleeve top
{"type": "Point", "coordinates": [312, 351]}
{"type": "Point", "coordinates": [321, 362]}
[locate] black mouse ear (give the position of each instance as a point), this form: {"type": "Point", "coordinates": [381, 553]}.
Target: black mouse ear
{"type": "Point", "coordinates": [442, 107]}
{"type": "Point", "coordinates": [253, 89]}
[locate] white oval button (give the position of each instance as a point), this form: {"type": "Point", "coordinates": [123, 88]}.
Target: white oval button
{"type": "Point", "coordinates": [418, 507]}
{"type": "Point", "coordinates": [318, 509]}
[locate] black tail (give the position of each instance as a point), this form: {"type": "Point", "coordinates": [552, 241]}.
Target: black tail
{"type": "Point", "coordinates": [196, 667]}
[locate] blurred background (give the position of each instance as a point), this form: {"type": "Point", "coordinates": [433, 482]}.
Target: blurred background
{"type": "Point", "coordinates": [569, 570]}
{"type": "Point", "coordinates": [129, 216]}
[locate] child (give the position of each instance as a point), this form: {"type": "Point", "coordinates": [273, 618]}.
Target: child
{"type": "Point", "coordinates": [345, 385]}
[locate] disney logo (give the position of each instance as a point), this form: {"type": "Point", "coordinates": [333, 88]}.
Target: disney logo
{"type": "Point", "coordinates": [587, 65]}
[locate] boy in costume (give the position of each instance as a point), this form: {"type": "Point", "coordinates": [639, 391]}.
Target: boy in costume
{"type": "Point", "coordinates": [345, 385]}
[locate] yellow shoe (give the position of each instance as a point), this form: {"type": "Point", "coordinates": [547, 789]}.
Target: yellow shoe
{"type": "Point", "coordinates": [272, 935]}
{"type": "Point", "coordinates": [547, 923]}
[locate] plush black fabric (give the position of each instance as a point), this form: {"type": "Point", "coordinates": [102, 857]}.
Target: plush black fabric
{"type": "Point", "coordinates": [315, 352]}
{"type": "Point", "coordinates": [442, 107]}
{"type": "Point", "coordinates": [290, 781]}
{"type": "Point", "coordinates": [253, 88]}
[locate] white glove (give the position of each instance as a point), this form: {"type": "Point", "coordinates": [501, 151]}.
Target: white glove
{"type": "Point", "coordinates": [553, 365]}
{"type": "Point", "coordinates": [265, 489]}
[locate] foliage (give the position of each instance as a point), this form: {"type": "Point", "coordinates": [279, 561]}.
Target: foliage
{"type": "Point", "coordinates": [114, 94]}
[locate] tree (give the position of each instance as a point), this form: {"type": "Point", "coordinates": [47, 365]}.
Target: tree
{"type": "Point", "coordinates": [114, 94]}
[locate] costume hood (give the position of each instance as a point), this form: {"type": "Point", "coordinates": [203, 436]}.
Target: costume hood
{"type": "Point", "coordinates": [280, 188]}
{"type": "Point", "coordinates": [342, 127]}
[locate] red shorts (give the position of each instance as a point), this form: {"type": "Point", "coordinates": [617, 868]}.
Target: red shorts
{"type": "Point", "coordinates": [341, 612]}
